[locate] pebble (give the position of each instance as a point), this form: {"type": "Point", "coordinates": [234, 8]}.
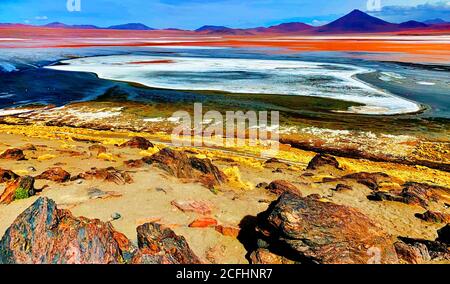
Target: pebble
{"type": "Point", "coordinates": [31, 169]}
{"type": "Point", "coordinates": [116, 216]}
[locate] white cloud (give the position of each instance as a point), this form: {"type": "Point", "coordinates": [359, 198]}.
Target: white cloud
{"type": "Point", "coordinates": [41, 18]}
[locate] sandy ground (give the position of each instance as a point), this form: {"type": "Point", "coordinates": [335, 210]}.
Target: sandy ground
{"type": "Point", "coordinates": [149, 197]}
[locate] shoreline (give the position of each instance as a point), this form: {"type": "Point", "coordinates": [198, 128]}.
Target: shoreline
{"type": "Point", "coordinates": [419, 106]}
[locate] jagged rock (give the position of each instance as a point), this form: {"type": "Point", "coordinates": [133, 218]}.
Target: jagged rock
{"type": "Point", "coordinates": [371, 180]}
{"type": "Point", "coordinates": [434, 217]}
{"type": "Point", "coordinates": [13, 154]}
{"type": "Point", "coordinates": [139, 143]}
{"type": "Point", "coordinates": [342, 187]}
{"type": "Point", "coordinates": [178, 164]}
{"type": "Point", "coordinates": [133, 164]}
{"type": "Point", "coordinates": [7, 175]}
{"type": "Point", "coordinates": [203, 223]}
{"type": "Point", "coordinates": [109, 175]}
{"type": "Point", "coordinates": [412, 254]}
{"type": "Point", "coordinates": [322, 160]}
{"type": "Point", "coordinates": [430, 250]}
{"type": "Point", "coordinates": [308, 230]}
{"type": "Point", "coordinates": [444, 234]}
{"type": "Point", "coordinates": [412, 194]}
{"type": "Point", "coordinates": [20, 188]}
{"type": "Point", "coordinates": [201, 207]}
{"type": "Point", "coordinates": [229, 231]}
{"type": "Point", "coordinates": [262, 185]}
{"type": "Point", "coordinates": [44, 234]}
{"type": "Point", "coordinates": [56, 174]}
{"type": "Point", "coordinates": [279, 187]}
{"type": "Point", "coordinates": [98, 149]}
{"type": "Point", "coordinates": [160, 245]}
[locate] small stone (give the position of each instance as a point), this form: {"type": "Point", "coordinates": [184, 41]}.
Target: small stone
{"type": "Point", "coordinates": [203, 223]}
{"type": "Point", "coordinates": [31, 169]}
{"type": "Point", "coordinates": [115, 216]}
{"type": "Point", "coordinates": [262, 185]}
{"type": "Point", "coordinates": [201, 207]}
{"type": "Point", "coordinates": [228, 231]}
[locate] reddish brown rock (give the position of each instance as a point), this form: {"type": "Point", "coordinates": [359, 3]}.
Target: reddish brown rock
{"type": "Point", "coordinates": [43, 234]}
{"type": "Point", "coordinates": [323, 160]}
{"type": "Point", "coordinates": [139, 143]}
{"type": "Point", "coordinates": [412, 254]}
{"type": "Point", "coordinates": [425, 250]}
{"type": "Point", "coordinates": [412, 194]}
{"type": "Point", "coordinates": [98, 149]}
{"type": "Point", "coordinates": [201, 207]}
{"type": "Point", "coordinates": [203, 223]}
{"type": "Point", "coordinates": [307, 230]}
{"type": "Point", "coordinates": [279, 187]}
{"type": "Point", "coordinates": [434, 217]}
{"type": "Point", "coordinates": [342, 187]}
{"type": "Point", "coordinates": [109, 175]}
{"type": "Point", "coordinates": [229, 231]}
{"type": "Point", "coordinates": [160, 245]}
{"type": "Point", "coordinates": [371, 180]}
{"type": "Point", "coordinates": [20, 188]}
{"type": "Point", "coordinates": [134, 164]}
{"type": "Point", "coordinates": [178, 164]}
{"type": "Point", "coordinates": [13, 154]}
{"type": "Point", "coordinates": [7, 175]}
{"type": "Point", "coordinates": [56, 174]}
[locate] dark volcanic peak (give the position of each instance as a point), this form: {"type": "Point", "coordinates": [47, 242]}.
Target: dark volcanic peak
{"type": "Point", "coordinates": [436, 21]}
{"type": "Point", "coordinates": [209, 28]}
{"type": "Point", "coordinates": [131, 26]}
{"type": "Point", "coordinates": [56, 25]}
{"type": "Point", "coordinates": [221, 30]}
{"type": "Point", "coordinates": [357, 21]}
{"type": "Point", "coordinates": [65, 26]}
{"type": "Point", "coordinates": [290, 27]}
{"type": "Point", "coordinates": [412, 25]}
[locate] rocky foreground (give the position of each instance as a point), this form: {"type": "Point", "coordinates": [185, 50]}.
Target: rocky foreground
{"type": "Point", "coordinates": [146, 203]}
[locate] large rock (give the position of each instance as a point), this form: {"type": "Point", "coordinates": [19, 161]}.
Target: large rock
{"type": "Point", "coordinates": [279, 187]}
{"type": "Point", "coordinates": [13, 154]}
{"type": "Point", "coordinates": [139, 143]}
{"type": "Point", "coordinates": [20, 188]}
{"type": "Point", "coordinates": [413, 194]}
{"type": "Point", "coordinates": [308, 230]}
{"type": "Point", "coordinates": [323, 160]}
{"type": "Point", "coordinates": [371, 180]}
{"type": "Point", "coordinates": [56, 174]}
{"type": "Point", "coordinates": [444, 234]}
{"type": "Point", "coordinates": [7, 175]}
{"type": "Point", "coordinates": [434, 217]}
{"type": "Point", "coordinates": [180, 165]}
{"type": "Point", "coordinates": [160, 245]}
{"type": "Point", "coordinates": [109, 175]}
{"type": "Point", "coordinates": [44, 234]}
{"type": "Point", "coordinates": [423, 250]}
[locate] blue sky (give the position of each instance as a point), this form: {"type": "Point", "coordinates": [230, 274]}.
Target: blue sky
{"type": "Point", "coordinates": [191, 14]}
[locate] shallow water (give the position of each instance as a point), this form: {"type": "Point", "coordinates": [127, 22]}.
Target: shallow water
{"type": "Point", "coordinates": [232, 70]}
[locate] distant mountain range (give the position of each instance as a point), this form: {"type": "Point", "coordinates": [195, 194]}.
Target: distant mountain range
{"type": "Point", "coordinates": [354, 22]}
